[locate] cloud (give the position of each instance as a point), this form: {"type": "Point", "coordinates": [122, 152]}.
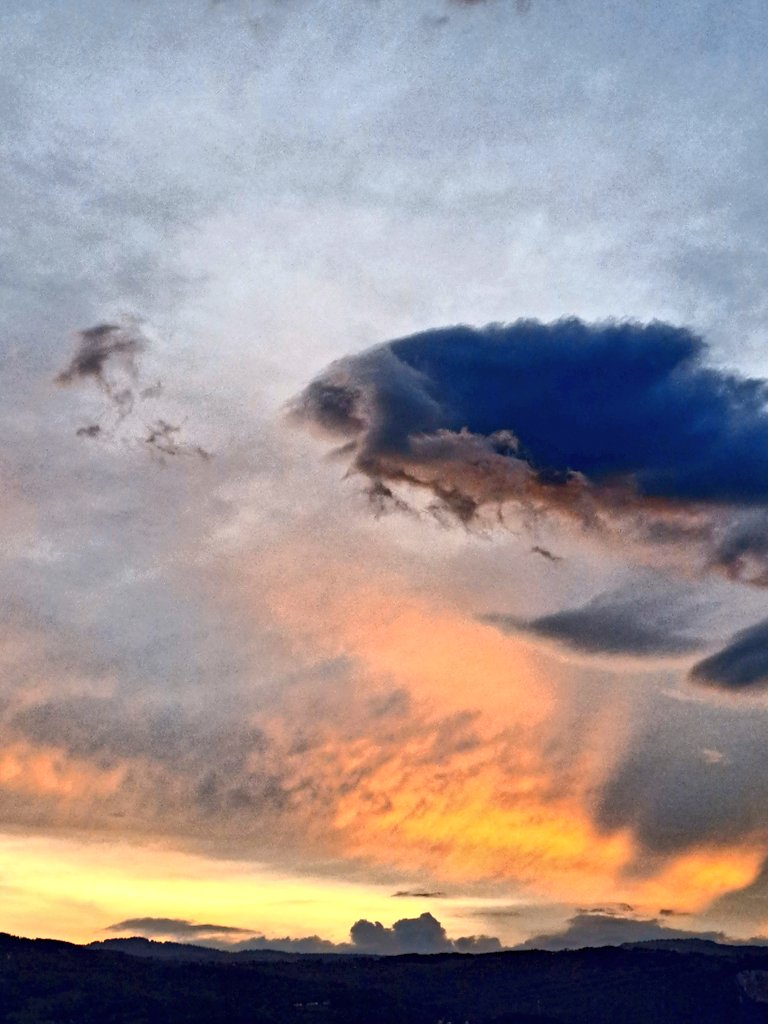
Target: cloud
{"type": "Point", "coordinates": [108, 355]}
{"type": "Point", "coordinates": [100, 346]}
{"type": "Point", "coordinates": [615, 426]}
{"type": "Point", "coordinates": [165, 439]}
{"type": "Point", "coordinates": [596, 929]}
{"type": "Point", "coordinates": [672, 797]}
{"type": "Point", "coordinates": [537, 549]}
{"type": "Point", "coordinates": [173, 927]}
{"type": "Point", "coordinates": [749, 903]}
{"type": "Point", "coordinates": [742, 665]}
{"type": "Point", "coordinates": [419, 894]}
{"type": "Point", "coordinates": [625, 621]}
{"type": "Point", "coordinates": [422, 934]}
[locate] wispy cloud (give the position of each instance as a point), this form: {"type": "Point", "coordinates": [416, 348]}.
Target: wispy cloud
{"type": "Point", "coordinates": [108, 356]}
{"type": "Point", "coordinates": [424, 894]}
{"type": "Point", "coordinates": [174, 927]}
{"type": "Point", "coordinates": [634, 620]}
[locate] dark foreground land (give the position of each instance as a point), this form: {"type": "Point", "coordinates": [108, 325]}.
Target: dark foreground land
{"type": "Point", "coordinates": [45, 982]}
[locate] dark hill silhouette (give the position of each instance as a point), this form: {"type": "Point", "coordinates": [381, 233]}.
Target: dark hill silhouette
{"type": "Point", "coordinates": [47, 982]}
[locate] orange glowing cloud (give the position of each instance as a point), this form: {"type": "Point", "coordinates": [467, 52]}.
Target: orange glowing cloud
{"type": "Point", "coordinates": [430, 647]}
{"type": "Point", "coordinates": [696, 877]}
{"type": "Point", "coordinates": [465, 786]}
{"type": "Point", "coordinates": [49, 772]}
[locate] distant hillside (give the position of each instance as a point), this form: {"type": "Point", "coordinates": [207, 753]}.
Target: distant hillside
{"type": "Point", "coordinates": [703, 946]}
{"type": "Point", "coordinates": [185, 952]}
{"type": "Point", "coordinates": [46, 982]}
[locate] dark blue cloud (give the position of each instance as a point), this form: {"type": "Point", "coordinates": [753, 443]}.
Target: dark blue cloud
{"type": "Point", "coordinates": [607, 401]}
{"type": "Point", "coordinates": [593, 421]}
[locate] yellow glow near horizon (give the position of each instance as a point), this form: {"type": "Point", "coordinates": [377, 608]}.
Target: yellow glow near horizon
{"type": "Point", "coordinates": [109, 882]}
{"type": "Point", "coordinates": [106, 882]}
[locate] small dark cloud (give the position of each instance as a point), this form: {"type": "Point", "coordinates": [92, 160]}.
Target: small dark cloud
{"type": "Point", "coordinates": [620, 622]}
{"type": "Point", "coordinates": [612, 910]}
{"type": "Point", "coordinates": [108, 356]}
{"type": "Point", "coordinates": [419, 894]}
{"type": "Point", "coordinates": [595, 929]}
{"type": "Point", "coordinates": [618, 427]}
{"type": "Point", "coordinates": [178, 928]}
{"type": "Point", "coordinates": [741, 666]}
{"type": "Point", "coordinates": [166, 439]}
{"type": "Point", "coordinates": [383, 499]}
{"type": "Point", "coordinates": [545, 553]}
{"type": "Point", "coordinates": [97, 347]}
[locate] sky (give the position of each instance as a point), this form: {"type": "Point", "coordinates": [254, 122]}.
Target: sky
{"type": "Point", "coordinates": [384, 475]}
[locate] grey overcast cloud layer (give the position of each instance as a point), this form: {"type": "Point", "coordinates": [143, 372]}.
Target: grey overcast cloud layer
{"type": "Point", "coordinates": [206, 206]}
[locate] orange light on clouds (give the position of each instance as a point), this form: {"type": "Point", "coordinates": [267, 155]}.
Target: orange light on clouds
{"type": "Point", "coordinates": [694, 878]}
{"type": "Point", "coordinates": [497, 809]}
{"type": "Point", "coordinates": [50, 772]}
{"type": "Point", "coordinates": [432, 648]}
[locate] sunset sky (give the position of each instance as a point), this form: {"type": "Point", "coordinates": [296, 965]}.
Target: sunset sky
{"type": "Point", "coordinates": [384, 471]}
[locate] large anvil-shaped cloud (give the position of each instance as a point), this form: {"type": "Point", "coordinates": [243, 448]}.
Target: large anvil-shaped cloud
{"type": "Point", "coordinates": [601, 423]}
